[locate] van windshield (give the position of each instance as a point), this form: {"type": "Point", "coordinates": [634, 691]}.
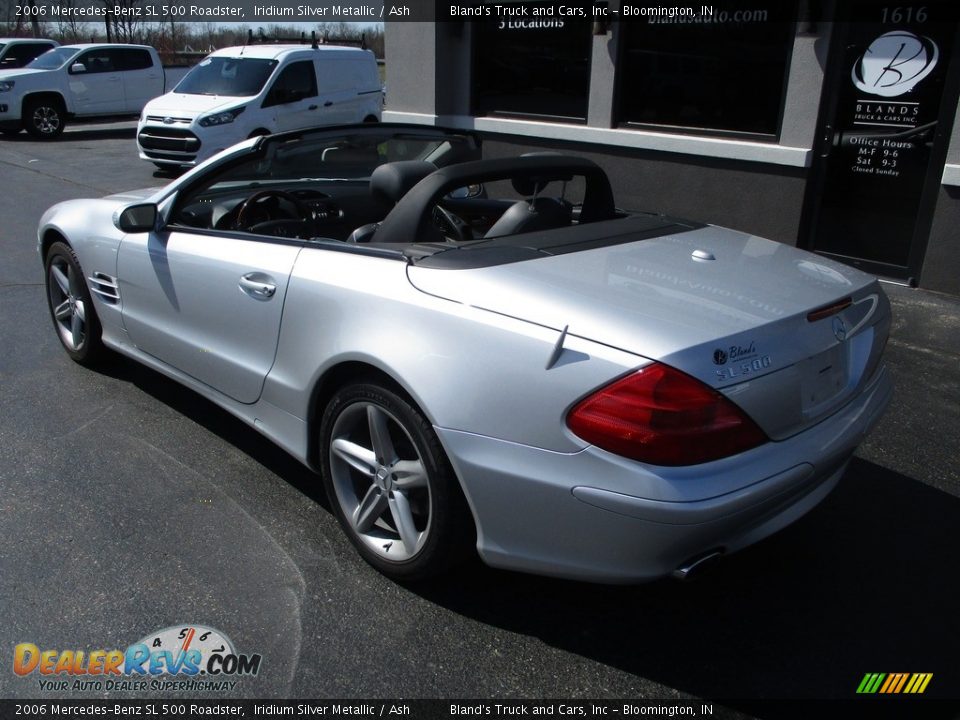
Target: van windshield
{"type": "Point", "coordinates": [52, 59]}
{"type": "Point", "coordinates": [238, 77]}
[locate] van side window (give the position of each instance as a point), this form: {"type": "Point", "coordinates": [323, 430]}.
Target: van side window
{"type": "Point", "coordinates": [296, 81]}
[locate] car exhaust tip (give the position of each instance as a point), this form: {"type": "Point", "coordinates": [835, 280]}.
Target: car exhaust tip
{"type": "Point", "coordinates": [692, 567]}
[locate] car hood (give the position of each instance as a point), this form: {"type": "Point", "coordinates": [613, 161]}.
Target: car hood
{"type": "Point", "coordinates": [91, 213]}
{"type": "Point", "coordinates": [129, 196]}
{"type": "Point", "coordinates": [707, 317]}
{"type": "Point", "coordinates": [19, 73]}
{"type": "Point", "coordinates": [183, 105]}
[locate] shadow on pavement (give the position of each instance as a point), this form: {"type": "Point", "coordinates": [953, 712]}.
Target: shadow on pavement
{"type": "Point", "coordinates": [219, 422]}
{"type": "Point", "coordinates": [78, 133]}
{"type": "Point", "coordinates": [864, 583]}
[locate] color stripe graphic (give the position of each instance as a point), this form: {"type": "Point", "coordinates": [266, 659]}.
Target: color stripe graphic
{"type": "Point", "coordinates": [894, 683]}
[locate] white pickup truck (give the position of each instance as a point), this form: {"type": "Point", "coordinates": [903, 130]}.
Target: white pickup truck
{"type": "Point", "coordinates": [81, 81]}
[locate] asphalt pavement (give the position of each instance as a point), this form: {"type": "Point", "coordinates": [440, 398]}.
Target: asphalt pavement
{"type": "Point", "coordinates": [129, 504]}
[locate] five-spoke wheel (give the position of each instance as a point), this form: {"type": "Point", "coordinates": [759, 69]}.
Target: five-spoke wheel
{"type": "Point", "coordinates": [72, 310]}
{"type": "Point", "coordinates": [390, 483]}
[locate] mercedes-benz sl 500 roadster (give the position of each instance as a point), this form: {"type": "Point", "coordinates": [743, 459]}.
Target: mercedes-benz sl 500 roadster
{"type": "Point", "coordinates": [485, 354]}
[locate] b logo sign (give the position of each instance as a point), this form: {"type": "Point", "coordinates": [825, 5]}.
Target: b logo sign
{"type": "Point", "coordinates": [894, 63]}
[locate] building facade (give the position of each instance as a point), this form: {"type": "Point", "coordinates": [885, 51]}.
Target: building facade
{"type": "Point", "coordinates": [830, 126]}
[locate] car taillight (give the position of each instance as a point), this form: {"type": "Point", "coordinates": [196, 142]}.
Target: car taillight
{"type": "Point", "coordinates": [662, 416]}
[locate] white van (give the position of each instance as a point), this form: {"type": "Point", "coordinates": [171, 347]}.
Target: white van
{"type": "Point", "coordinates": [239, 92]}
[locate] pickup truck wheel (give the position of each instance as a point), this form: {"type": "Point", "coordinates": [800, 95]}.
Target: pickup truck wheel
{"type": "Point", "coordinates": [44, 118]}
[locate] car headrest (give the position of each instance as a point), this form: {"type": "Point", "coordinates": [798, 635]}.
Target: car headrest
{"type": "Point", "coordinates": [391, 181]}
{"type": "Point", "coordinates": [524, 217]}
{"type": "Point", "coordinates": [528, 187]}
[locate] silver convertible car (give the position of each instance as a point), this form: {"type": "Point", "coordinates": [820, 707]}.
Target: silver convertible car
{"type": "Point", "coordinates": [485, 354]}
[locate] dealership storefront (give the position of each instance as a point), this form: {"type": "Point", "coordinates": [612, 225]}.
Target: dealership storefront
{"type": "Point", "coordinates": [830, 126]}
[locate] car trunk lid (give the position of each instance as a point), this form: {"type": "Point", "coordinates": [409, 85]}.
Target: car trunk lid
{"type": "Point", "coordinates": [727, 308]}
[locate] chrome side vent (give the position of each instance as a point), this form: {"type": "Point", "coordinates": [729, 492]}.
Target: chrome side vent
{"type": "Point", "coordinates": [105, 287]}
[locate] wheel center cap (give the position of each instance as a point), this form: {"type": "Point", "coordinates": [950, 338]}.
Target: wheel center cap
{"type": "Point", "coordinates": [383, 479]}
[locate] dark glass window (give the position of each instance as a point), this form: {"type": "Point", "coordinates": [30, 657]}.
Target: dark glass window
{"type": "Point", "coordinates": [532, 66]}
{"type": "Point", "coordinates": [236, 77]}
{"type": "Point", "coordinates": [296, 81]}
{"type": "Point", "coordinates": [20, 54]}
{"type": "Point", "coordinates": [135, 59]}
{"type": "Point", "coordinates": [721, 72]}
{"type": "Point", "coordinates": [102, 60]}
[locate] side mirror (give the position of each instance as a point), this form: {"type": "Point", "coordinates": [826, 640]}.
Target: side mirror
{"type": "Point", "coordinates": [78, 68]}
{"type": "Point", "coordinates": [137, 218]}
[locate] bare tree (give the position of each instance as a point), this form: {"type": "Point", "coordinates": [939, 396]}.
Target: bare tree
{"type": "Point", "coordinates": [122, 26]}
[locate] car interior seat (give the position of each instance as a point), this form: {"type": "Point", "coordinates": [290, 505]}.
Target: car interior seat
{"type": "Point", "coordinates": [533, 213]}
{"type": "Point", "coordinates": [389, 183]}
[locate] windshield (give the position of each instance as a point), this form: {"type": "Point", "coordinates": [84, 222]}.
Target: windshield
{"type": "Point", "coordinates": [238, 77]}
{"type": "Point", "coordinates": [52, 59]}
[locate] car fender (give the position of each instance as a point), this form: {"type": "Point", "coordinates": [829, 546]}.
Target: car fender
{"type": "Point", "coordinates": [467, 369]}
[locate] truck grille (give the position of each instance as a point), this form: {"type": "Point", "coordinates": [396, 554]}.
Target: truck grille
{"type": "Point", "coordinates": [169, 139]}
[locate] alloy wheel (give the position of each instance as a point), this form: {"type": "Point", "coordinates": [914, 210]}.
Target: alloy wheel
{"type": "Point", "coordinates": [67, 303]}
{"type": "Point", "coordinates": [380, 481]}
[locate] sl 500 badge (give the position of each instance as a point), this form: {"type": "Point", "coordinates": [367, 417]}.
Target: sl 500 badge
{"type": "Point", "coordinates": [747, 367]}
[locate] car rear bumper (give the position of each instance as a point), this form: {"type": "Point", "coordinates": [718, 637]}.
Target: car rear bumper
{"type": "Point", "coordinates": [594, 516]}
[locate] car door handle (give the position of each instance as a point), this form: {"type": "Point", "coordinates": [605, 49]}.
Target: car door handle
{"type": "Point", "coordinates": [312, 107]}
{"type": "Point", "coordinates": [328, 103]}
{"type": "Point", "coordinates": [258, 286]}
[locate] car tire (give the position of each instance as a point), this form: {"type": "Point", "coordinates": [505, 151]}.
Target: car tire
{"type": "Point", "coordinates": [44, 118]}
{"type": "Point", "coordinates": [71, 308]}
{"type": "Point", "coordinates": [391, 485]}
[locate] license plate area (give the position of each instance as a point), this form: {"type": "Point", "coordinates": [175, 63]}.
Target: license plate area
{"type": "Point", "coordinates": [823, 378]}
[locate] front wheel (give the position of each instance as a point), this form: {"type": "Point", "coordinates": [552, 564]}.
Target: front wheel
{"type": "Point", "coordinates": [71, 308]}
{"type": "Point", "coordinates": [391, 485]}
{"type": "Point", "coordinates": [44, 118]}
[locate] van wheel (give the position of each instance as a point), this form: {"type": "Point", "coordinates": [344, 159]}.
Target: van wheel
{"type": "Point", "coordinates": [44, 118]}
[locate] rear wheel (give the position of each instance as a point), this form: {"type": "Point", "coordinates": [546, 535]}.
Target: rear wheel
{"type": "Point", "coordinates": [44, 117]}
{"type": "Point", "coordinates": [391, 485]}
{"type": "Point", "coordinates": [71, 308]}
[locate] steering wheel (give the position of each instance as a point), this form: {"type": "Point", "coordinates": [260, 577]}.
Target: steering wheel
{"type": "Point", "coordinates": [450, 224]}
{"type": "Point", "coordinates": [258, 213]}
